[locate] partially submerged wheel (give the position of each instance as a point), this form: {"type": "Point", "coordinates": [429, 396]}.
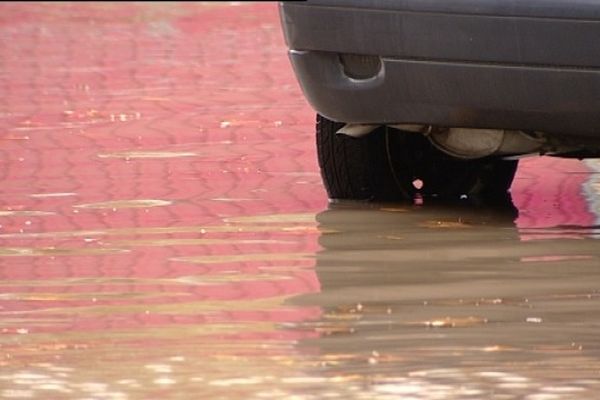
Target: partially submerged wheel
{"type": "Point", "coordinates": [389, 164]}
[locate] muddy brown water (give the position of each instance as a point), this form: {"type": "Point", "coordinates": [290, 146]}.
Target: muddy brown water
{"type": "Point", "coordinates": [164, 233]}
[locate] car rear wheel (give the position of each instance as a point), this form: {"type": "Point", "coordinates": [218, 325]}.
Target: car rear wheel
{"type": "Point", "coordinates": [389, 164]}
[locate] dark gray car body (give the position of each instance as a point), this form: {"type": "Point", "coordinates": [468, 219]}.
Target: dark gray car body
{"type": "Point", "coordinates": [526, 65]}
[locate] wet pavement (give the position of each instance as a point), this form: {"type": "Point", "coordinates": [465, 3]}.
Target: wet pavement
{"type": "Point", "coordinates": [164, 233]}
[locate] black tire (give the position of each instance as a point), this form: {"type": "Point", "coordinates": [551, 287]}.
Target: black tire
{"type": "Point", "coordinates": [384, 164]}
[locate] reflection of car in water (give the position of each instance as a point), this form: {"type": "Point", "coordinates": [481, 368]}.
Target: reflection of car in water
{"type": "Point", "coordinates": [381, 245]}
{"type": "Point", "coordinates": [448, 291]}
{"type": "Point", "coordinates": [442, 98]}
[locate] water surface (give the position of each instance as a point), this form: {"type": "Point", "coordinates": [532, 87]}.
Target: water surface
{"type": "Point", "coordinates": [164, 233]}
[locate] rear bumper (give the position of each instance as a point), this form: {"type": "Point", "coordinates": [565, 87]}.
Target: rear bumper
{"type": "Point", "coordinates": [447, 68]}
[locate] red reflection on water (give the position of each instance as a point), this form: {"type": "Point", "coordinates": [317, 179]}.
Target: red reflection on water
{"type": "Point", "coordinates": [188, 104]}
{"type": "Point", "coordinates": [550, 193]}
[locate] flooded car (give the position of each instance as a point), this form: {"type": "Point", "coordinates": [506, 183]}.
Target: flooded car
{"type": "Point", "coordinates": [443, 98]}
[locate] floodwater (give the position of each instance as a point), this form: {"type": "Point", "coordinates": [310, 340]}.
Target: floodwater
{"type": "Point", "coordinates": [164, 233]}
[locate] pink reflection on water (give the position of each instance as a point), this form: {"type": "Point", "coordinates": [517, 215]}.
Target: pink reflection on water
{"type": "Point", "coordinates": [194, 107]}
{"type": "Point", "coordinates": [550, 193]}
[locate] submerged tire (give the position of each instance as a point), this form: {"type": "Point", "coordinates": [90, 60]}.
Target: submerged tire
{"type": "Point", "coordinates": [387, 163]}
{"type": "Point", "coordinates": [355, 168]}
